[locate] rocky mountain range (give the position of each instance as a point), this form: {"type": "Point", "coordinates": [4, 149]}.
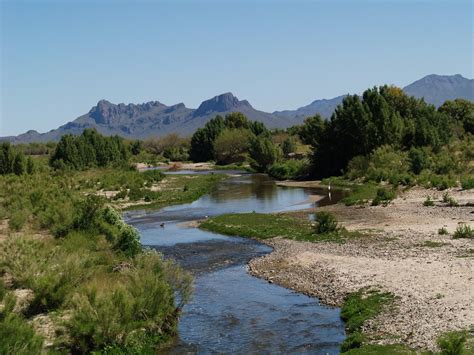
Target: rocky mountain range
{"type": "Point", "coordinates": [157, 119]}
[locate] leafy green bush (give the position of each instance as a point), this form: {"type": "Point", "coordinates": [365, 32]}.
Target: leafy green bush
{"type": "Point", "coordinates": [467, 182]}
{"type": "Point", "coordinates": [385, 162]}
{"type": "Point", "coordinates": [420, 159]}
{"type": "Point", "coordinates": [463, 231]}
{"type": "Point", "coordinates": [325, 223]}
{"type": "Point", "coordinates": [290, 169]}
{"type": "Point", "coordinates": [452, 343]}
{"type": "Point", "coordinates": [383, 196]}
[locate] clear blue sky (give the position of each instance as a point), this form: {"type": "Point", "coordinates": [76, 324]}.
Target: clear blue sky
{"type": "Point", "coordinates": [60, 57]}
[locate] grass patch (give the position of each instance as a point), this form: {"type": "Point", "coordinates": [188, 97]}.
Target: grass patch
{"type": "Point", "coordinates": [361, 194]}
{"type": "Point", "coordinates": [264, 226]}
{"type": "Point", "coordinates": [359, 307]}
{"type": "Point", "coordinates": [463, 231]}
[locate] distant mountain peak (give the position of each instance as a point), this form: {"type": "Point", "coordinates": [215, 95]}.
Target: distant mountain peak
{"type": "Point", "coordinates": [221, 103]}
{"type": "Point", "coordinates": [436, 89]}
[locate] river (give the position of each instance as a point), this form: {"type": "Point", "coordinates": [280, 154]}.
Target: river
{"type": "Point", "coordinates": [231, 311]}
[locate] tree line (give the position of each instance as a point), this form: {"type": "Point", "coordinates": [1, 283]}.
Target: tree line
{"type": "Point", "coordinates": [90, 149]}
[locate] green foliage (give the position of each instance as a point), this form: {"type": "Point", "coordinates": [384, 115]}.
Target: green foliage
{"type": "Point", "coordinates": [467, 182]}
{"type": "Point", "coordinates": [325, 223]}
{"type": "Point", "coordinates": [136, 147]}
{"type": "Point", "coordinates": [428, 202]}
{"type": "Point", "coordinates": [420, 159]}
{"type": "Point", "coordinates": [288, 146]}
{"type": "Point", "coordinates": [176, 153]}
{"type": "Point", "coordinates": [383, 116]}
{"type": "Point", "coordinates": [88, 150]}
{"type": "Point", "coordinates": [463, 231]}
{"type": "Point", "coordinates": [385, 162]}
{"type": "Point", "coordinates": [384, 196]}
{"type": "Point", "coordinates": [12, 161]}
{"type": "Point", "coordinates": [449, 200]}
{"type": "Point", "coordinates": [231, 145]}
{"type": "Point", "coordinates": [17, 336]}
{"type": "Point", "coordinates": [452, 343]}
{"type": "Point", "coordinates": [263, 153]}
{"type": "Point", "coordinates": [360, 193]}
{"type": "Point", "coordinates": [202, 141]}
{"type": "Point", "coordinates": [461, 111]}
{"type": "Point", "coordinates": [129, 312]}
{"type": "Point", "coordinates": [442, 231]}
{"type": "Point", "coordinates": [359, 307]}
{"type": "Point", "coordinates": [312, 131]}
{"type": "Point", "coordinates": [290, 169]}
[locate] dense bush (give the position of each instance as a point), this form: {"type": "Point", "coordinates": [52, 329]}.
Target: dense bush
{"type": "Point", "coordinates": [289, 169]}
{"type": "Point", "coordinates": [383, 196]}
{"type": "Point", "coordinates": [325, 223]}
{"type": "Point", "coordinates": [17, 336]}
{"type": "Point", "coordinates": [263, 153]}
{"type": "Point", "coordinates": [382, 116]}
{"type": "Point", "coordinates": [204, 140]}
{"type": "Point", "coordinates": [88, 150]}
{"type": "Point", "coordinates": [128, 313]}
{"type": "Point", "coordinates": [12, 161]}
{"type": "Point", "coordinates": [231, 145]}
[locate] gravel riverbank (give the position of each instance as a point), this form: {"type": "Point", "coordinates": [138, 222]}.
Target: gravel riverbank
{"type": "Point", "coordinates": [432, 275]}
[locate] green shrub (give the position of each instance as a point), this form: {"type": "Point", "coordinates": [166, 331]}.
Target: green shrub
{"type": "Point", "coordinates": [452, 343]}
{"type": "Point", "coordinates": [128, 241]}
{"type": "Point", "coordinates": [467, 182]}
{"type": "Point", "coordinates": [17, 336]}
{"type": "Point", "coordinates": [142, 306]}
{"type": "Point", "coordinates": [384, 196]}
{"type": "Point", "coordinates": [290, 169]}
{"type": "Point", "coordinates": [18, 219]}
{"type": "Point", "coordinates": [325, 223]}
{"type": "Point", "coordinates": [420, 159]}
{"type": "Point", "coordinates": [463, 231]}
{"type": "Point", "coordinates": [449, 200]}
{"type": "Point", "coordinates": [428, 202]}
{"type": "Point", "coordinates": [442, 231]}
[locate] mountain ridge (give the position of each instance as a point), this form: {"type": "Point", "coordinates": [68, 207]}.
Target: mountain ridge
{"type": "Point", "coordinates": [153, 118]}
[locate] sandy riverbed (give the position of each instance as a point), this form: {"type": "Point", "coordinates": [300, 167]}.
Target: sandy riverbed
{"type": "Point", "coordinates": [434, 284]}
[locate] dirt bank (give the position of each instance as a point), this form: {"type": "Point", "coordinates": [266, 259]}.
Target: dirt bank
{"type": "Point", "coordinates": [432, 274]}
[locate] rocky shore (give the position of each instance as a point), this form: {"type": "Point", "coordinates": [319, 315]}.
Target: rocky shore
{"type": "Point", "coordinates": [431, 274]}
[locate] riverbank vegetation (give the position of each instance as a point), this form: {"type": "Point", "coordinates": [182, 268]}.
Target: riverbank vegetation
{"type": "Point", "coordinates": [265, 226]}
{"type": "Point", "coordinates": [73, 275]}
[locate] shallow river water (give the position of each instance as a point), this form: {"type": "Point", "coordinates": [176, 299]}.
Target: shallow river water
{"type": "Point", "coordinates": [231, 311]}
